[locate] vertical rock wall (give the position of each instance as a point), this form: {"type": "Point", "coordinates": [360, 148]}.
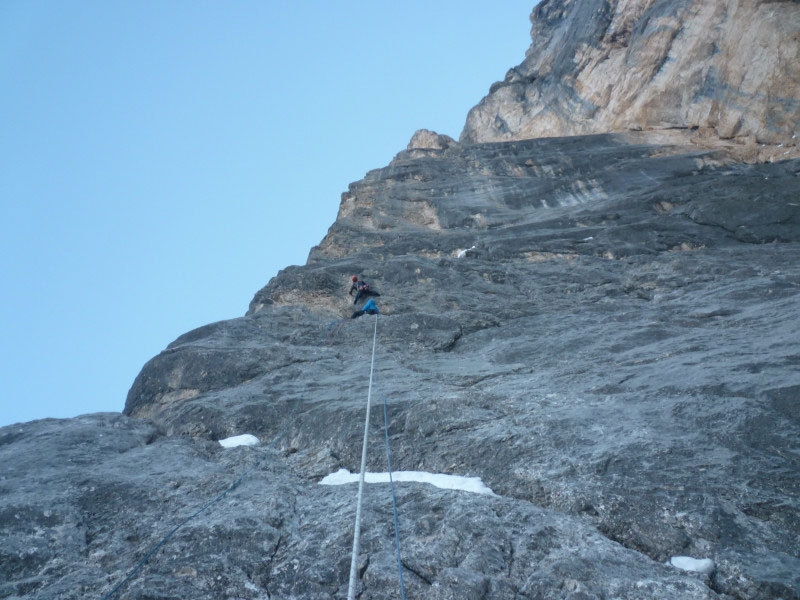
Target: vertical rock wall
{"type": "Point", "coordinates": [726, 69]}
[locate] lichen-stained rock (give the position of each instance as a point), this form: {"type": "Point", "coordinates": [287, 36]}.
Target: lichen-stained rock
{"type": "Point", "coordinates": [727, 69]}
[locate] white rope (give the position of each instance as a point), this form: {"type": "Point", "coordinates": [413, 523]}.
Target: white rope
{"type": "Point", "coordinates": [351, 590]}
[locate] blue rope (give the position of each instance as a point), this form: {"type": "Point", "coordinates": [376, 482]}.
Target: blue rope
{"type": "Point", "coordinates": [233, 486]}
{"type": "Point", "coordinates": [394, 499]}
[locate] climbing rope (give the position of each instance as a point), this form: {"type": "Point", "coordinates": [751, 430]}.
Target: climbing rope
{"type": "Point", "coordinates": [351, 590]}
{"type": "Point", "coordinates": [208, 504]}
{"type": "Point", "coordinates": [394, 499]}
{"type": "Point", "coordinates": [332, 332]}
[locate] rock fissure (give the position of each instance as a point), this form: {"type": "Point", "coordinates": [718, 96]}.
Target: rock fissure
{"type": "Point", "coordinates": [419, 574]}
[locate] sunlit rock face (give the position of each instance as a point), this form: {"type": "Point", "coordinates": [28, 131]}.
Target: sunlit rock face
{"type": "Point", "coordinates": [725, 69]}
{"type": "Point", "coordinates": [599, 329]}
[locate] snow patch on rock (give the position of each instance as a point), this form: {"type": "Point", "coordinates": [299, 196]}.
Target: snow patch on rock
{"type": "Point", "coordinates": [447, 482]}
{"type": "Point", "coordinates": [687, 563]}
{"type": "Point", "coordinates": [246, 439]}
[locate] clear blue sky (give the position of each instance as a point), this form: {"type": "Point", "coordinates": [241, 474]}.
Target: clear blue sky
{"type": "Point", "coordinates": [160, 161]}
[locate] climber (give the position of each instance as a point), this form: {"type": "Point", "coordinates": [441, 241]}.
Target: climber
{"type": "Point", "coordinates": [361, 288]}
{"type": "Point", "coordinates": [370, 308]}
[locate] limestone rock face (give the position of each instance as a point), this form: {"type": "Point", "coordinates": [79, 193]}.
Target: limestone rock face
{"type": "Point", "coordinates": [602, 328]}
{"type": "Point", "coordinates": [726, 69]}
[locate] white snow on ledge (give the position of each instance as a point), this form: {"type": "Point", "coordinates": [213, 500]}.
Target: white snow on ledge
{"type": "Point", "coordinates": [687, 563]}
{"type": "Point", "coordinates": [464, 252]}
{"type": "Point", "coordinates": [246, 439]}
{"type": "Point", "coordinates": [447, 482]}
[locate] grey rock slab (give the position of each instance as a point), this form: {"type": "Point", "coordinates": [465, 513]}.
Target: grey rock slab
{"type": "Point", "coordinates": [598, 340]}
{"type": "Point", "coordinates": [277, 534]}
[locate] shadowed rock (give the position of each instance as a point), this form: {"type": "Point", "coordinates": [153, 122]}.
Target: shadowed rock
{"type": "Point", "coordinates": [599, 328]}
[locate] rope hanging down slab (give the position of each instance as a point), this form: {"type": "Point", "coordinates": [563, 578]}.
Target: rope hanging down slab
{"type": "Point", "coordinates": [351, 590]}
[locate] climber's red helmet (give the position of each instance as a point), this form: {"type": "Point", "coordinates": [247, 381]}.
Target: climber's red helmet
{"type": "Point", "coordinates": [354, 278]}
